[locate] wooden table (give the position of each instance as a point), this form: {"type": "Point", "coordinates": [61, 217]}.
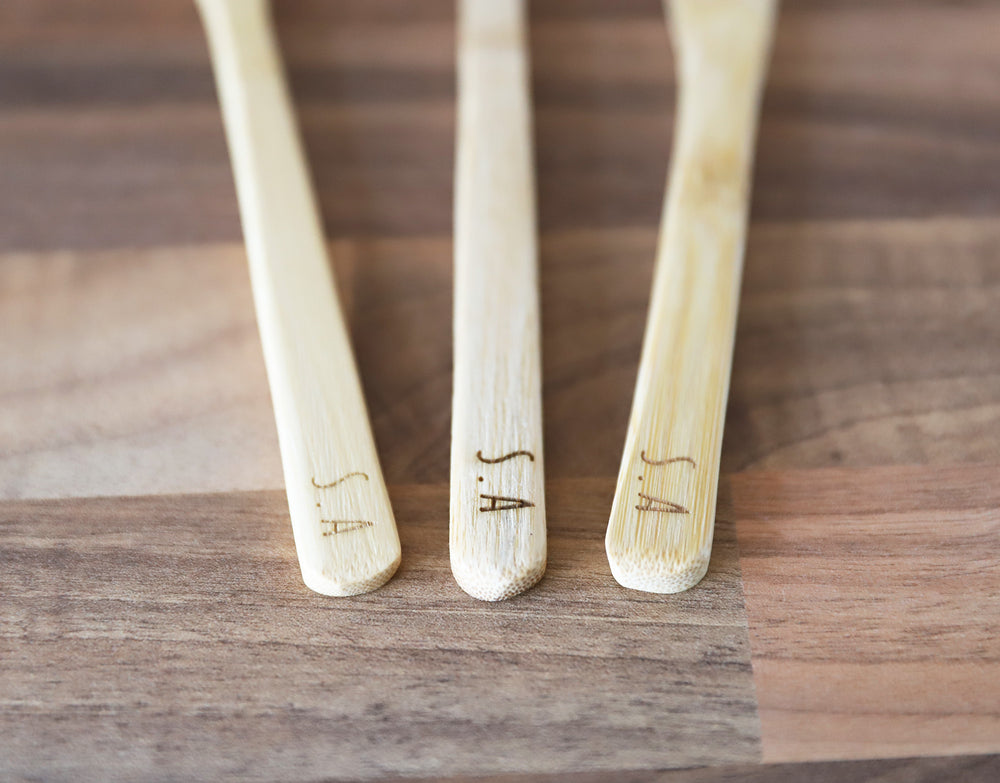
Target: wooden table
{"type": "Point", "coordinates": [154, 625]}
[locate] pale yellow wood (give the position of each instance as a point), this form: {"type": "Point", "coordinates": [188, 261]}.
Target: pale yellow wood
{"type": "Point", "coordinates": [345, 533]}
{"type": "Point", "coordinates": [659, 536]}
{"type": "Point", "coordinates": [497, 531]}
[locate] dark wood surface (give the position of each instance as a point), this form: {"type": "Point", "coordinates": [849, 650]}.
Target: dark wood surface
{"type": "Point", "coordinates": [961, 769]}
{"type": "Point", "coordinates": [154, 626]}
{"type": "Point", "coordinates": [177, 637]}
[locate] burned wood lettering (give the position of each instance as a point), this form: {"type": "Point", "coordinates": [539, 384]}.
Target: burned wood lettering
{"type": "Point", "coordinates": [501, 503]}
{"type": "Point", "coordinates": [342, 525]}
{"type": "Point", "coordinates": [657, 463]}
{"type": "Point", "coordinates": [332, 484]}
{"type": "Point", "coordinates": [345, 525]}
{"type": "Point", "coordinates": [505, 457]}
{"type": "Point", "coordinates": [660, 505]}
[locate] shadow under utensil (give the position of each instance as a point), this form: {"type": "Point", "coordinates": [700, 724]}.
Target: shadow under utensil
{"type": "Point", "coordinates": [374, 89]}
{"type": "Point", "coordinates": [602, 85]}
{"type": "Point", "coordinates": [776, 347]}
{"type": "Point", "coordinates": [373, 85]}
{"type": "Point", "coordinates": [777, 343]}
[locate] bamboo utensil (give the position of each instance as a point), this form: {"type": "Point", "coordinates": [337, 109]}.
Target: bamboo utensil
{"type": "Point", "coordinates": [659, 537]}
{"type": "Point", "coordinates": [344, 530]}
{"type": "Point", "coordinates": [497, 529]}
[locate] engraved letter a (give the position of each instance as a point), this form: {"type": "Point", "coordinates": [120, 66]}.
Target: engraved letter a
{"type": "Point", "coordinates": [500, 503]}
{"type": "Point", "coordinates": [660, 505]}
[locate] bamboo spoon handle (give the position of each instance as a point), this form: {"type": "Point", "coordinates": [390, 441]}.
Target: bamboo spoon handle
{"type": "Point", "coordinates": [497, 530]}
{"type": "Point", "coordinates": [342, 522]}
{"type": "Point", "coordinates": [659, 537]}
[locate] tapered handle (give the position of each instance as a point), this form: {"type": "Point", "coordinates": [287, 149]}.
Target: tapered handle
{"type": "Point", "coordinates": [497, 530]}
{"type": "Point", "coordinates": [345, 534]}
{"type": "Point", "coordinates": [659, 537]}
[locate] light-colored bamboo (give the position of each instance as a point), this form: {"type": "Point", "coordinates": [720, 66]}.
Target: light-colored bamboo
{"type": "Point", "coordinates": [659, 537]}
{"type": "Point", "coordinates": [497, 531]}
{"type": "Point", "coordinates": [345, 533]}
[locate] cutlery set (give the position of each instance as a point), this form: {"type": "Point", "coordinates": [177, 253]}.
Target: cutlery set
{"type": "Point", "coordinates": [659, 537]}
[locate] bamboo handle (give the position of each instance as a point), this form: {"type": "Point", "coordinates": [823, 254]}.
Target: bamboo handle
{"type": "Point", "coordinates": [344, 530]}
{"type": "Point", "coordinates": [659, 537]}
{"type": "Point", "coordinates": [497, 530]}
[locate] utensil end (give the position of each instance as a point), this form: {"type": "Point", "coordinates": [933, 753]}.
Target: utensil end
{"type": "Point", "coordinates": [655, 575]}
{"type": "Point", "coordinates": [496, 586]}
{"type": "Point", "coordinates": [347, 585]}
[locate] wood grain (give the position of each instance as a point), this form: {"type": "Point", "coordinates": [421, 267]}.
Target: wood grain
{"type": "Point", "coordinates": [967, 769]}
{"type": "Point", "coordinates": [345, 532]}
{"type": "Point", "coordinates": [856, 345]}
{"type": "Point", "coordinates": [662, 520]}
{"type": "Point", "coordinates": [129, 372]}
{"type": "Point", "coordinates": [178, 640]}
{"type": "Point", "coordinates": [873, 609]}
{"type": "Point", "coordinates": [866, 343]}
{"type": "Point", "coordinates": [497, 511]}
{"type": "Point", "coordinates": [851, 128]}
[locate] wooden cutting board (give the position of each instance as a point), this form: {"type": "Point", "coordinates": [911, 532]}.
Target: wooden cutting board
{"type": "Point", "coordinates": [154, 625]}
